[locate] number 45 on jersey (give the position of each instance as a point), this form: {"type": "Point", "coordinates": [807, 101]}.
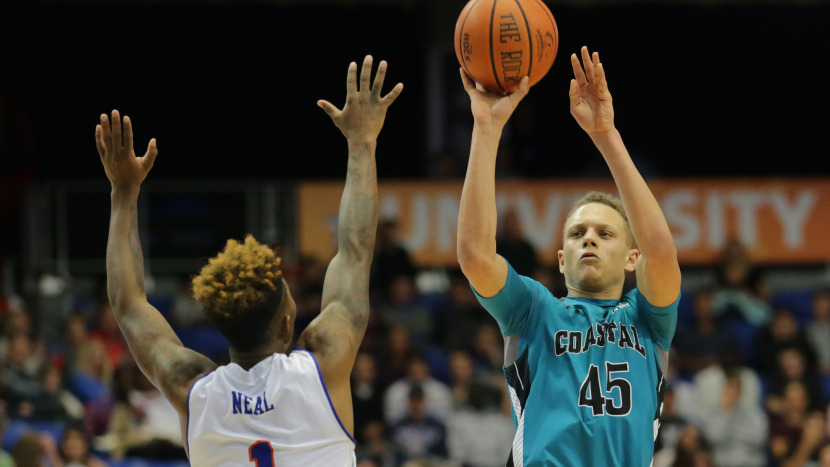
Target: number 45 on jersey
{"type": "Point", "coordinates": [602, 403]}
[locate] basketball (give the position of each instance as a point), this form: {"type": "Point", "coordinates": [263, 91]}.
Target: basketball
{"type": "Point", "coordinates": [498, 42]}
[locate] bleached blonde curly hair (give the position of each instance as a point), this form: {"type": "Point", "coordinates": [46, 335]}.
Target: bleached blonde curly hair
{"type": "Point", "coordinates": [241, 290]}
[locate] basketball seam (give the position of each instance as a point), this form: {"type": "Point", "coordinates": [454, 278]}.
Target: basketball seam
{"type": "Point", "coordinates": [529, 36]}
{"type": "Point", "coordinates": [552, 23]}
{"type": "Point", "coordinates": [461, 39]}
{"type": "Point", "coordinates": [492, 58]}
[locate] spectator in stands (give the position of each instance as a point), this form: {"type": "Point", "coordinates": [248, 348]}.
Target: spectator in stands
{"type": "Point", "coordinates": [683, 390]}
{"type": "Point", "coordinates": [463, 314]}
{"type": "Point", "coordinates": [711, 383]}
{"type": "Point", "coordinates": [672, 425]}
{"type": "Point", "coordinates": [693, 450]}
{"type": "Point", "coordinates": [786, 429]}
{"type": "Point", "coordinates": [5, 458]}
{"type": "Point", "coordinates": [480, 434]}
{"type": "Point", "coordinates": [395, 357]}
{"type": "Point", "coordinates": [20, 384]}
{"type": "Point", "coordinates": [488, 351]}
{"type": "Point", "coordinates": [374, 339]}
{"type": "Point", "coordinates": [116, 418]}
{"type": "Point", "coordinates": [74, 449]}
{"type": "Point", "coordinates": [16, 322]}
{"type": "Point", "coordinates": [813, 437]}
{"type": "Point", "coordinates": [419, 435]}
{"type": "Point", "coordinates": [107, 333]}
{"type": "Point", "coordinates": [367, 395]}
{"type": "Point", "coordinates": [699, 345]}
{"type": "Point", "coordinates": [93, 373]}
{"type": "Point", "coordinates": [28, 451]}
{"type": "Point", "coordinates": [402, 309]}
{"type": "Point", "coordinates": [782, 333]}
{"type": "Point", "coordinates": [818, 331]}
{"type": "Point", "coordinates": [512, 244]}
{"type": "Point", "coordinates": [100, 412]}
{"type": "Point", "coordinates": [73, 340]}
{"type": "Point", "coordinates": [438, 398]}
{"type": "Point", "coordinates": [54, 403]}
{"type": "Point", "coordinates": [742, 292]}
{"type": "Point", "coordinates": [737, 432]}
{"type": "Point", "coordinates": [461, 375]}
{"type": "Point", "coordinates": [824, 456]}
{"type": "Point", "coordinates": [391, 259]}
{"type": "Point", "coordinates": [368, 461]}
{"type": "Point", "coordinates": [144, 424]}
{"type": "Point", "coordinates": [792, 367]}
{"type": "Point", "coordinates": [36, 450]}
{"type": "Point", "coordinates": [375, 450]}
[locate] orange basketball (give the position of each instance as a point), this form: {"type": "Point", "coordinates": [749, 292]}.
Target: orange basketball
{"type": "Point", "coordinates": [498, 42]}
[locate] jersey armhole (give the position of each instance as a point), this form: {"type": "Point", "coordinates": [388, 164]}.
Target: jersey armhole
{"type": "Point", "coordinates": [187, 422]}
{"type": "Point", "coordinates": [328, 397]}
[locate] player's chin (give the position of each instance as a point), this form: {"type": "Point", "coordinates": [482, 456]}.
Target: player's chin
{"type": "Point", "coordinates": [591, 276]}
{"type": "Point", "coordinates": [589, 269]}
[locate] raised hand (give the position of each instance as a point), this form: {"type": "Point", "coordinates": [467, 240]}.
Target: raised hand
{"type": "Point", "coordinates": [365, 110]}
{"type": "Point", "coordinates": [115, 146]}
{"type": "Point", "coordinates": [590, 99]}
{"type": "Point", "coordinates": [490, 108]}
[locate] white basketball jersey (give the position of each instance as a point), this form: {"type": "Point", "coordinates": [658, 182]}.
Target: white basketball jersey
{"type": "Point", "coordinates": [278, 413]}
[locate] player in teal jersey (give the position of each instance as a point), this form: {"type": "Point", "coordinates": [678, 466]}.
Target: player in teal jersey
{"type": "Point", "coordinates": [585, 372]}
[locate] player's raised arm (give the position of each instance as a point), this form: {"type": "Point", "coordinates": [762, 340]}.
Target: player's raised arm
{"type": "Point", "coordinates": [158, 351]}
{"type": "Point", "coordinates": [658, 272]}
{"type": "Point", "coordinates": [335, 335]}
{"type": "Point", "coordinates": [477, 217]}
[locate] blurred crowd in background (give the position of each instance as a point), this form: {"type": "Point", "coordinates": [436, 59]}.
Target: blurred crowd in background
{"type": "Point", "coordinates": [750, 364]}
{"type": "Point", "coordinates": [749, 372]}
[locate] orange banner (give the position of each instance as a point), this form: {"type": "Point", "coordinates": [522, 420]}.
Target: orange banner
{"type": "Point", "coordinates": [779, 221]}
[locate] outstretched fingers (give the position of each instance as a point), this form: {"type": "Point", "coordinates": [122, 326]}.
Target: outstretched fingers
{"type": "Point", "coordinates": [351, 79]}
{"type": "Point", "coordinates": [379, 77]}
{"type": "Point", "coordinates": [602, 83]}
{"type": "Point", "coordinates": [329, 108]}
{"type": "Point", "coordinates": [128, 133]}
{"type": "Point", "coordinates": [366, 74]}
{"type": "Point", "coordinates": [116, 131]}
{"type": "Point", "coordinates": [102, 135]}
{"type": "Point", "coordinates": [393, 94]}
{"type": "Point", "coordinates": [99, 141]}
{"type": "Point", "coordinates": [587, 64]}
{"type": "Point", "coordinates": [579, 73]}
{"type": "Point", "coordinates": [150, 156]}
{"type": "Point", "coordinates": [574, 93]}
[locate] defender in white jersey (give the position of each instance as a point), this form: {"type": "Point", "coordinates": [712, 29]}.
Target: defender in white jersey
{"type": "Point", "coordinates": [274, 404]}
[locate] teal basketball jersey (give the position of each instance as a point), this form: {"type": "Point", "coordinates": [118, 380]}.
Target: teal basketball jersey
{"type": "Point", "coordinates": [584, 375]}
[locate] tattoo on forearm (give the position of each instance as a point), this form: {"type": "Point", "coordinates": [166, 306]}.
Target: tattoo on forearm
{"type": "Point", "coordinates": [135, 250]}
{"type": "Point", "coordinates": [347, 281]}
{"type": "Point", "coordinates": [358, 218]}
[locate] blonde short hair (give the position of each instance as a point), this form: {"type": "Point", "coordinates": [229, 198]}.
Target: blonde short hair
{"type": "Point", "coordinates": [609, 200]}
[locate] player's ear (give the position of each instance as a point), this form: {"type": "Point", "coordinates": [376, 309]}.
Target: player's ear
{"type": "Point", "coordinates": [631, 260]}
{"type": "Point", "coordinates": [286, 328]}
{"type": "Point", "coordinates": [561, 255]}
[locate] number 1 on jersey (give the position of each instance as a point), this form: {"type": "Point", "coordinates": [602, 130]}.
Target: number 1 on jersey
{"type": "Point", "coordinates": [262, 454]}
